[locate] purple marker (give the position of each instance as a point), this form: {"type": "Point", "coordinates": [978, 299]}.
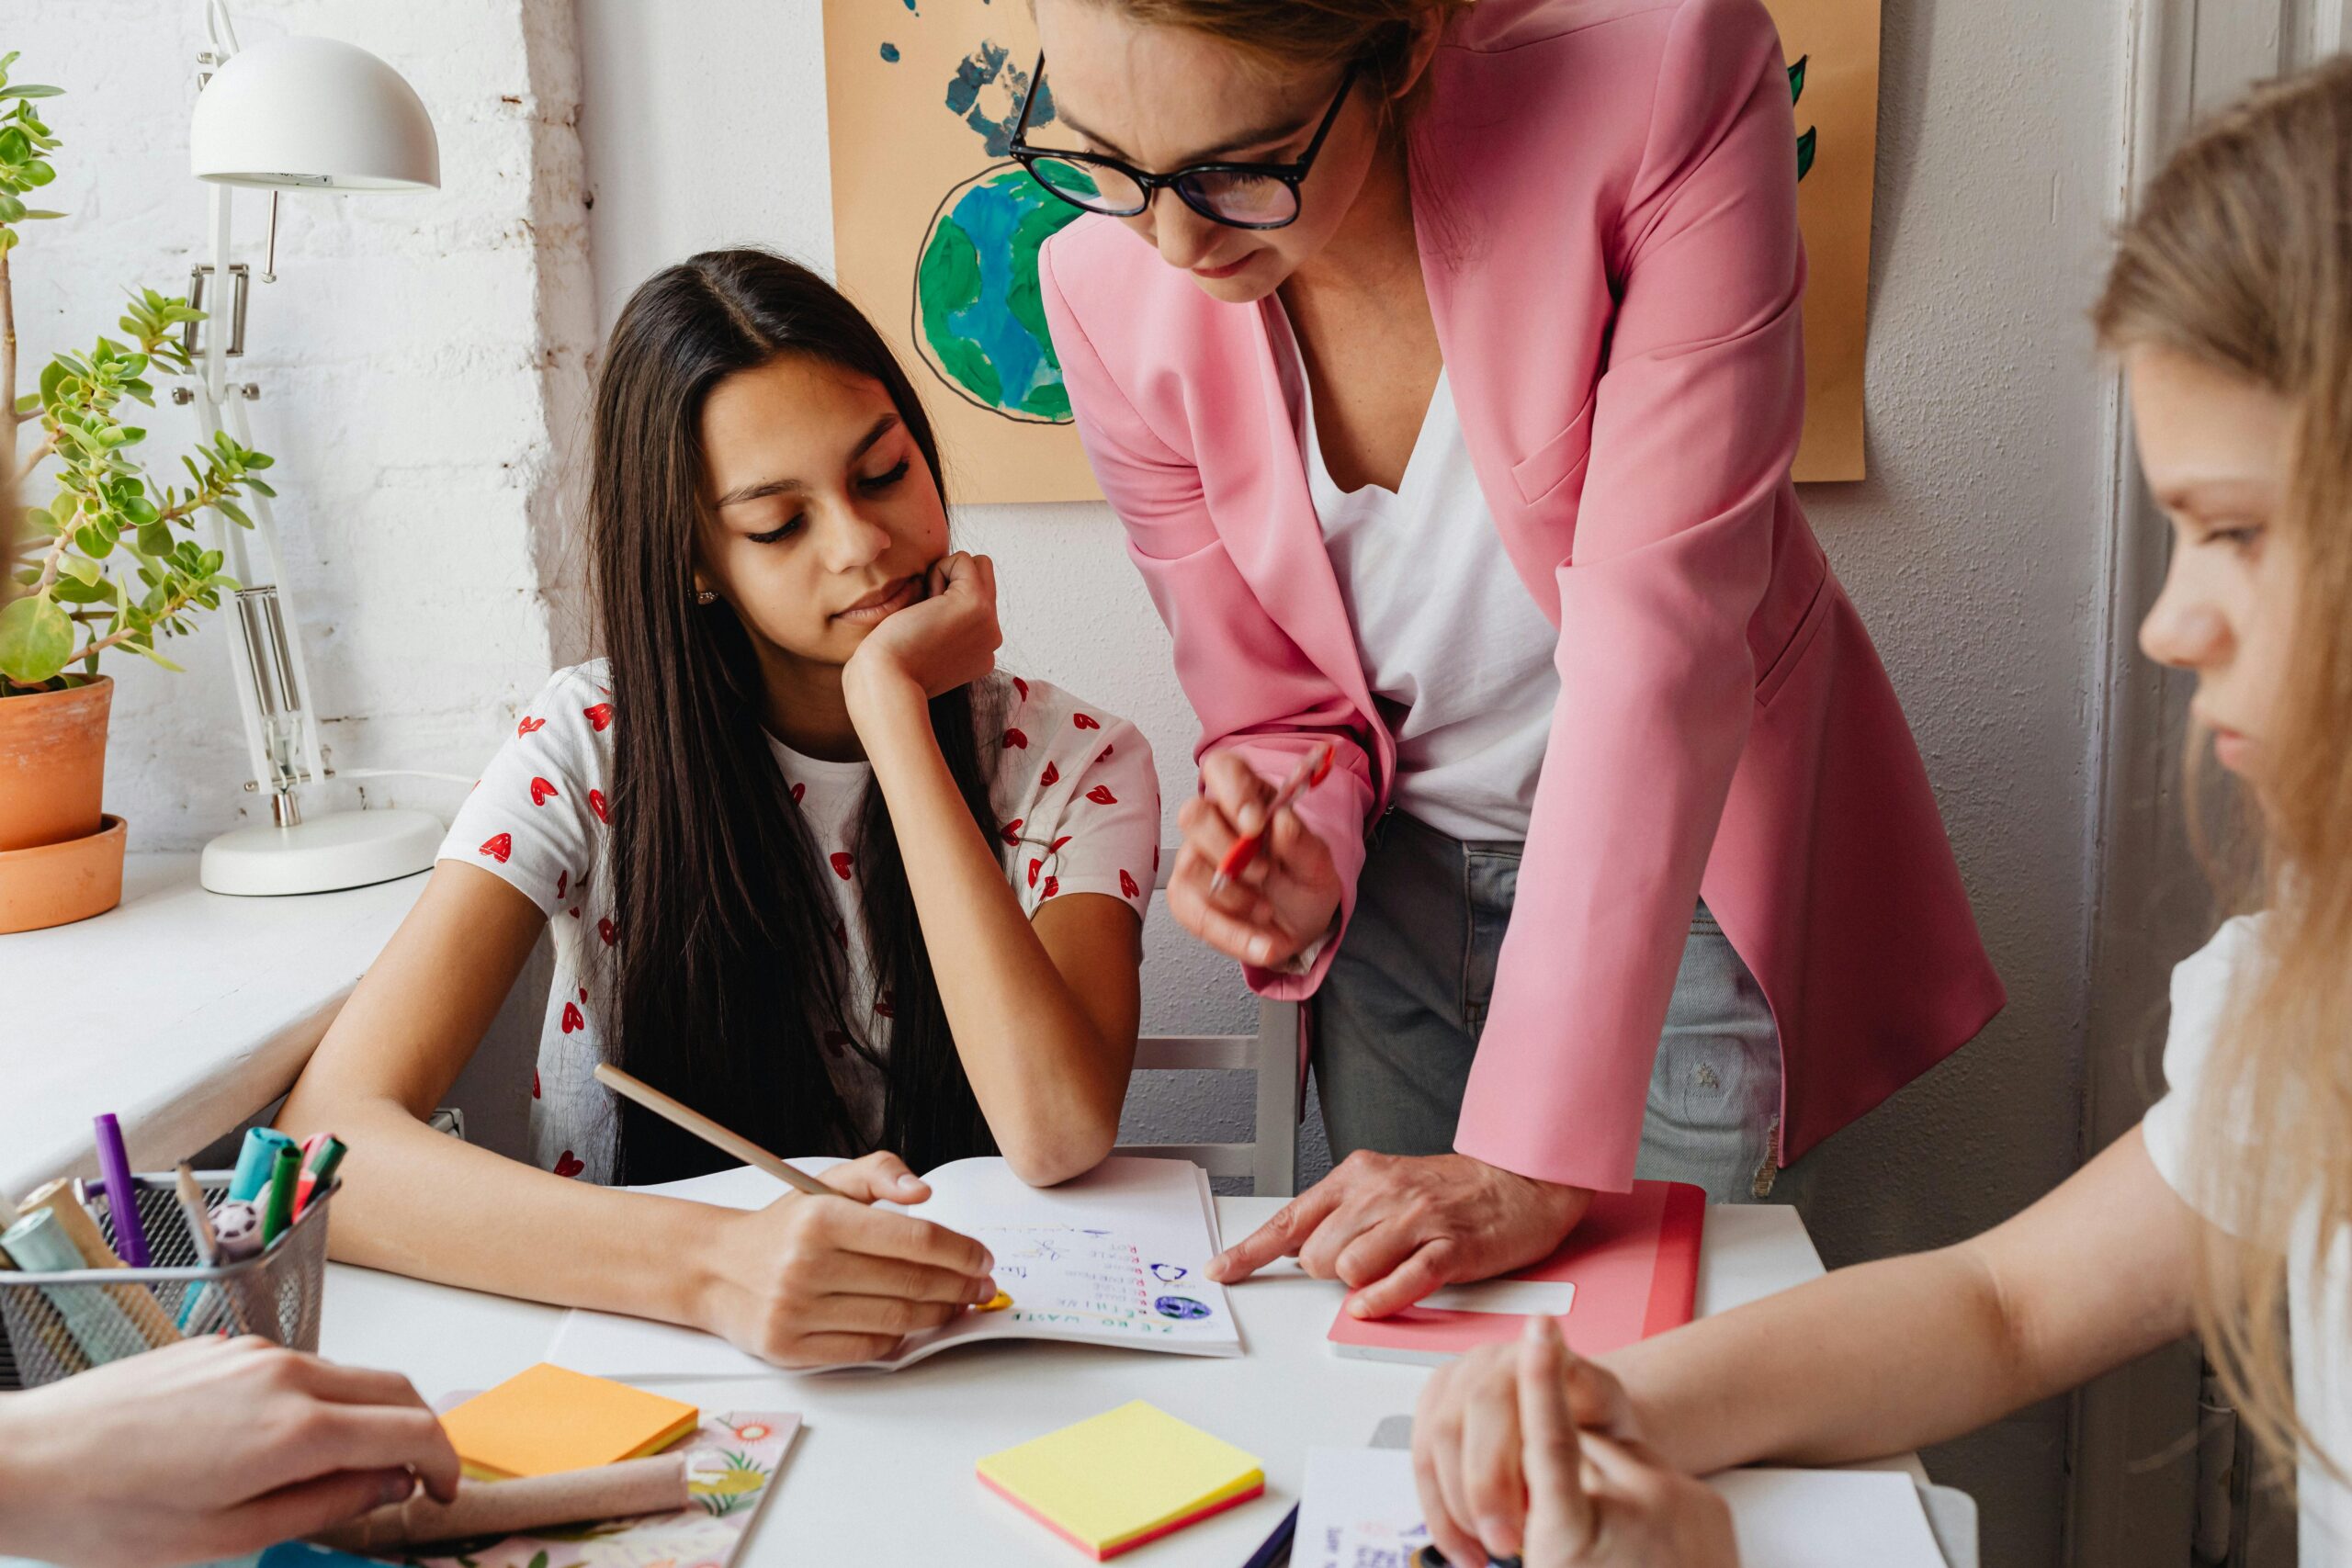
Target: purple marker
{"type": "Point", "coordinates": [122, 1197]}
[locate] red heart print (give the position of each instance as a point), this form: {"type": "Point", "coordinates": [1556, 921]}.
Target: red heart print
{"type": "Point", "coordinates": [886, 1005]}
{"type": "Point", "coordinates": [561, 879]}
{"type": "Point", "coordinates": [573, 911]}
{"type": "Point", "coordinates": [1053, 885]}
{"type": "Point", "coordinates": [541, 792]}
{"type": "Point", "coordinates": [499, 847]}
{"type": "Point", "coordinates": [596, 805]}
{"type": "Point", "coordinates": [609, 932]}
{"type": "Point", "coordinates": [1034, 867]}
{"type": "Point", "coordinates": [1014, 738]}
{"type": "Point", "coordinates": [1155, 859]}
{"type": "Point", "coordinates": [1021, 686]}
{"type": "Point", "coordinates": [798, 792]}
{"type": "Point", "coordinates": [841, 936]}
{"type": "Point", "coordinates": [1055, 847]}
{"type": "Point", "coordinates": [600, 715]}
{"type": "Point", "coordinates": [1050, 777]}
{"type": "Point", "coordinates": [534, 1083]}
{"type": "Point", "coordinates": [567, 1166]}
{"type": "Point", "coordinates": [1083, 722]}
{"type": "Point", "coordinates": [529, 725]}
{"type": "Point", "coordinates": [584, 993]}
{"type": "Point", "coordinates": [841, 859]}
{"type": "Point", "coordinates": [1101, 796]}
{"type": "Point", "coordinates": [1012, 830]}
{"type": "Point", "coordinates": [835, 1043]}
{"type": "Point", "coordinates": [1128, 886]}
{"type": "Point", "coordinates": [1106, 753]}
{"type": "Point", "coordinates": [572, 1018]}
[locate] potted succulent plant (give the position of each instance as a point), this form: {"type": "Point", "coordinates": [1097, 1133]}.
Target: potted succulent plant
{"type": "Point", "coordinates": [100, 559]}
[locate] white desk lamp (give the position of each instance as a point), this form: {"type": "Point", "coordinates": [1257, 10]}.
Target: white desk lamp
{"type": "Point", "coordinates": [301, 114]}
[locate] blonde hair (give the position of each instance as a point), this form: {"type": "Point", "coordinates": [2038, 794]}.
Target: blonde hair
{"type": "Point", "coordinates": [2241, 258]}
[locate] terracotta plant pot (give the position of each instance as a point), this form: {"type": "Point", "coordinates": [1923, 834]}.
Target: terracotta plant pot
{"type": "Point", "coordinates": [52, 764]}
{"type": "Point", "coordinates": [61, 859]}
{"type": "Point", "coordinates": [56, 885]}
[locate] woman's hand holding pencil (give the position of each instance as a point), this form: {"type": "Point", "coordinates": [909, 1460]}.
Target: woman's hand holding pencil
{"type": "Point", "coordinates": [1250, 879]}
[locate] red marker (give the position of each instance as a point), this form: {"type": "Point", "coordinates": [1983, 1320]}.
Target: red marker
{"type": "Point", "coordinates": [1312, 770]}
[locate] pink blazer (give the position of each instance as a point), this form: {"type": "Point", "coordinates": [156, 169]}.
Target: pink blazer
{"type": "Point", "coordinates": [1605, 197]}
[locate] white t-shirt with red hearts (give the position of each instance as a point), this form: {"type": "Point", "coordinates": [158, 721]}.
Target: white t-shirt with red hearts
{"type": "Point", "coordinates": [1078, 810]}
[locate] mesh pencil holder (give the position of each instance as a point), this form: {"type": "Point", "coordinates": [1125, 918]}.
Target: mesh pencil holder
{"type": "Point", "coordinates": [53, 1325]}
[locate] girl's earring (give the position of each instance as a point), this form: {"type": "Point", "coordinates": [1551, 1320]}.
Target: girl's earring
{"type": "Point", "coordinates": [706, 596]}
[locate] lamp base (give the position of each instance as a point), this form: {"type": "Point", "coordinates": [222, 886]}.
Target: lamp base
{"type": "Point", "coordinates": [324, 854]}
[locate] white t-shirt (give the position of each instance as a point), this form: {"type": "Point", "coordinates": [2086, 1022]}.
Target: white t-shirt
{"type": "Point", "coordinates": [1078, 810]}
{"type": "Point", "coordinates": [1457, 656]}
{"type": "Point", "coordinates": [2319, 1309]}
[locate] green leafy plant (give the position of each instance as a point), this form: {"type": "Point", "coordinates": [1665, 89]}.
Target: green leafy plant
{"type": "Point", "coordinates": [108, 562]}
{"type": "Point", "coordinates": [1808, 144]}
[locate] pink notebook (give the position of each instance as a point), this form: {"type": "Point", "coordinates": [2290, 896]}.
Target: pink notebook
{"type": "Point", "coordinates": [1630, 1270]}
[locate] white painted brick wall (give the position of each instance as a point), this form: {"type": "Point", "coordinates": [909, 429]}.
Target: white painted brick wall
{"type": "Point", "coordinates": [420, 356]}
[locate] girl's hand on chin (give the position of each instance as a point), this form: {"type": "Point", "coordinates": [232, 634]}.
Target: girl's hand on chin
{"type": "Point", "coordinates": [946, 640]}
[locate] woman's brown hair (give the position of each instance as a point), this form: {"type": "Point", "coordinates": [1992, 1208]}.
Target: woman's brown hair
{"type": "Point", "coordinates": [1379, 37]}
{"type": "Point", "coordinates": [2241, 258]}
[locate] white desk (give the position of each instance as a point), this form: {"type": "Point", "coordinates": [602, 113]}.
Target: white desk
{"type": "Point", "coordinates": [884, 1471]}
{"type": "Point", "coordinates": [188, 1011]}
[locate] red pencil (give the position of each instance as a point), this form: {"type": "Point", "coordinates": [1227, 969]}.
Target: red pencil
{"type": "Point", "coordinates": [1312, 770]}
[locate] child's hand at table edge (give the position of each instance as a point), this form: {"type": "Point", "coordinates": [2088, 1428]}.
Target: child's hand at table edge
{"type": "Point", "coordinates": [211, 1447]}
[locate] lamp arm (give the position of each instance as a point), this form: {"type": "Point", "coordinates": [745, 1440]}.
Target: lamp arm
{"type": "Point", "coordinates": [288, 632]}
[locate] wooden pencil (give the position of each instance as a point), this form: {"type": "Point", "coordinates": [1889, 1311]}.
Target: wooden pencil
{"type": "Point", "coordinates": [686, 1117]}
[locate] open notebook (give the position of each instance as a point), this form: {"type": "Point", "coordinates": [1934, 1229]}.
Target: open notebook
{"type": "Point", "coordinates": [1113, 1258]}
{"type": "Point", "coordinates": [1359, 1509]}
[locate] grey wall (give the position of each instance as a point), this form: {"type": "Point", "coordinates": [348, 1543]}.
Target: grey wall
{"type": "Point", "coordinates": [1974, 553]}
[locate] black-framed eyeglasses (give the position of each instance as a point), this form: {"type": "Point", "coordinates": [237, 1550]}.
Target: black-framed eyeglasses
{"type": "Point", "coordinates": [1241, 196]}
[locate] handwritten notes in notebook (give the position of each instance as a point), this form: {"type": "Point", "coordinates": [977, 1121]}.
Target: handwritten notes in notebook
{"type": "Point", "coordinates": [1359, 1509]}
{"type": "Point", "coordinates": [1115, 1257]}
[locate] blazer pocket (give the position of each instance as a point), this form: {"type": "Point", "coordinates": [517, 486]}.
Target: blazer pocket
{"type": "Point", "coordinates": [1558, 460]}
{"type": "Point", "coordinates": [1792, 652]}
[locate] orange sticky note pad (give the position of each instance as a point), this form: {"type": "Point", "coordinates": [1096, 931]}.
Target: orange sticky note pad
{"type": "Point", "coordinates": [550, 1419]}
{"type": "Point", "coordinates": [1121, 1478]}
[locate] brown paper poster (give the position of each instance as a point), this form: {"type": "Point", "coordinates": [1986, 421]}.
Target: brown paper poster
{"type": "Point", "coordinates": [1832, 47]}
{"type": "Point", "coordinates": [936, 230]}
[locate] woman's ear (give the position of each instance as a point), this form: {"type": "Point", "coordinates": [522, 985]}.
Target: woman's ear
{"type": "Point", "coordinates": [1429, 31]}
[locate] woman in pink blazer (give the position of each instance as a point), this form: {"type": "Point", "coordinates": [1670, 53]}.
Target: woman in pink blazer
{"type": "Point", "coordinates": [1443, 364]}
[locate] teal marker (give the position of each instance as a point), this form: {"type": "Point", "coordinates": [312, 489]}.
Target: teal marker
{"type": "Point", "coordinates": [255, 1159]}
{"type": "Point", "coordinates": [97, 1325]}
{"type": "Point", "coordinates": [277, 1207]}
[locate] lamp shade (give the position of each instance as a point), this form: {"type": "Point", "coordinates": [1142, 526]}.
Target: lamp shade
{"type": "Point", "coordinates": [314, 113]}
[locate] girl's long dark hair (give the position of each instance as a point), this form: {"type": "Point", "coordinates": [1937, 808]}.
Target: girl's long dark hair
{"type": "Point", "coordinates": [728, 973]}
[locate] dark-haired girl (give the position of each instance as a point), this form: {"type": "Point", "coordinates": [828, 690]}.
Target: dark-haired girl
{"type": "Point", "coordinates": [813, 866]}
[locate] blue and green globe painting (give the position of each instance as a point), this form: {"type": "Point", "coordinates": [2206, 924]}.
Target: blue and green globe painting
{"type": "Point", "coordinates": [978, 315]}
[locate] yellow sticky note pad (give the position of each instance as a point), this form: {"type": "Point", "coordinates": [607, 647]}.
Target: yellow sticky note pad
{"type": "Point", "coordinates": [1123, 1478]}
{"type": "Point", "coordinates": [550, 1419]}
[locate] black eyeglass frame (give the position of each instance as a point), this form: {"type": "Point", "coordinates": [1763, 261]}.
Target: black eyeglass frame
{"type": "Point", "coordinates": [1291, 174]}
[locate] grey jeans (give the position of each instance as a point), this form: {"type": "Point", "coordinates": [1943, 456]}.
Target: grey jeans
{"type": "Point", "coordinates": [1397, 1019]}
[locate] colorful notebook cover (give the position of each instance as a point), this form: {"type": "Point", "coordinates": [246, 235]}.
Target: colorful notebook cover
{"type": "Point", "coordinates": [1634, 1263]}
{"type": "Point", "coordinates": [1111, 1483]}
{"type": "Point", "coordinates": [548, 1418]}
{"type": "Point", "coordinates": [731, 1462]}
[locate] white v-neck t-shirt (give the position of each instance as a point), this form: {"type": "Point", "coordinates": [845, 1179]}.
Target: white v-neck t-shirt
{"type": "Point", "coordinates": [2319, 1271]}
{"type": "Point", "coordinates": [1077, 801]}
{"type": "Point", "coordinates": [1458, 659]}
